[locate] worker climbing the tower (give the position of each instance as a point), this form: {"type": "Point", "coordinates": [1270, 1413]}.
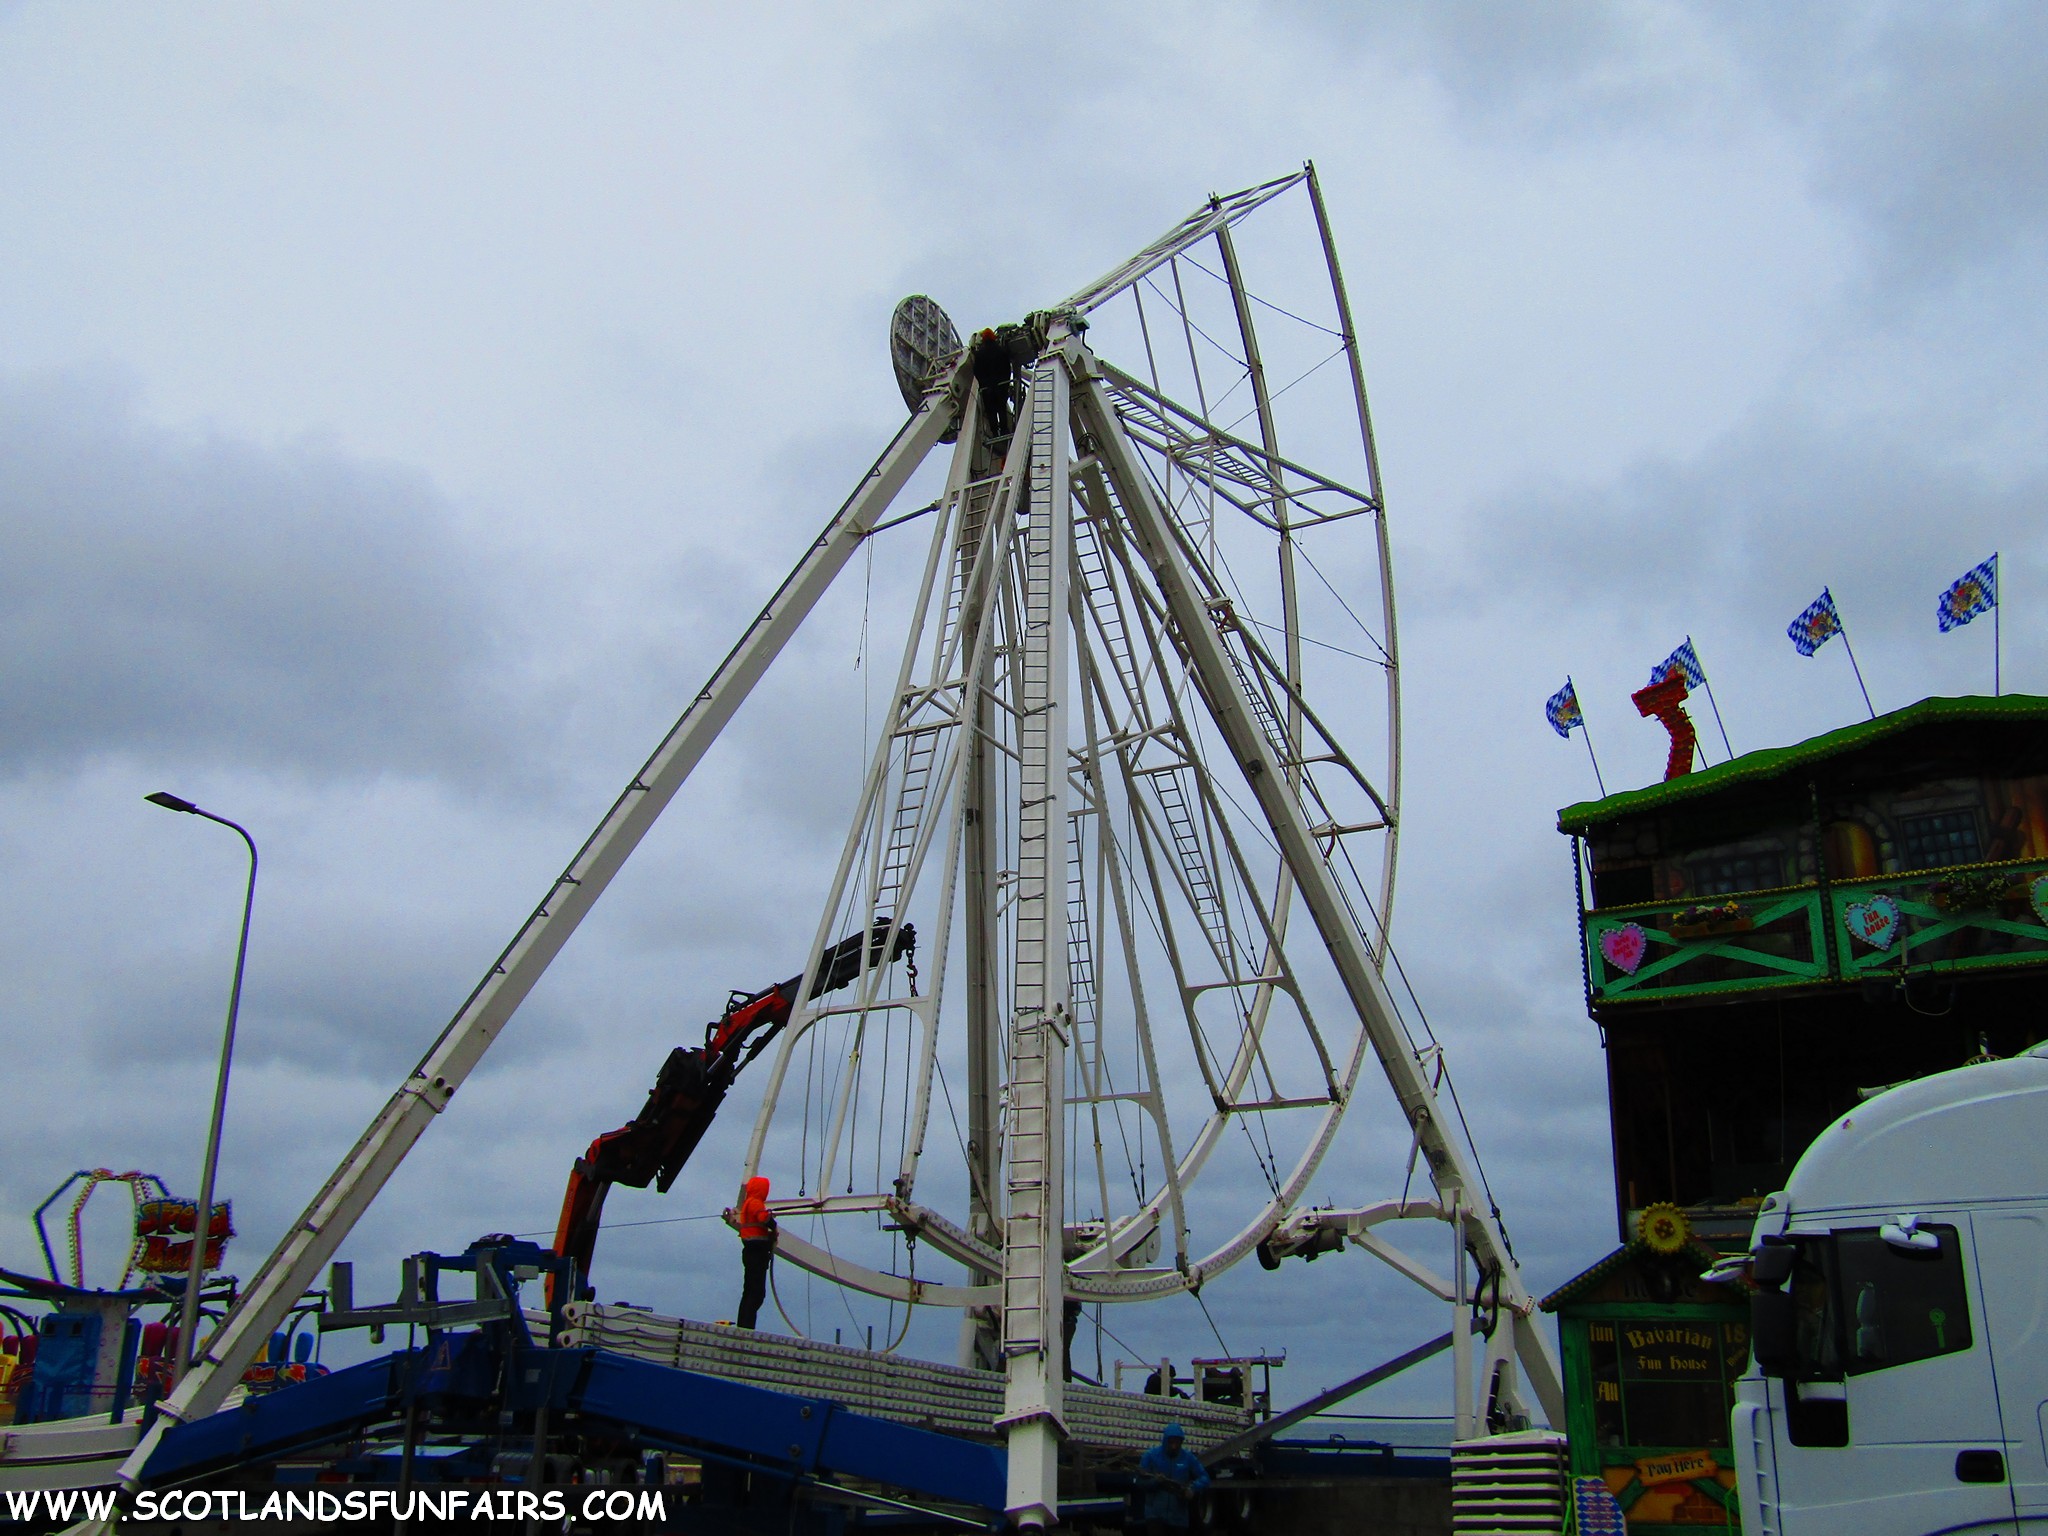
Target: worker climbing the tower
{"type": "Point", "coordinates": [995, 373]}
{"type": "Point", "coordinates": [1000, 355]}
{"type": "Point", "coordinates": [1170, 1477]}
{"type": "Point", "coordinates": [757, 1247]}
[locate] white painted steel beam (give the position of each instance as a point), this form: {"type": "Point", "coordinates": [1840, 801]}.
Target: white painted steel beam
{"type": "Point", "coordinates": [1034, 1224]}
{"type": "Point", "coordinates": [298, 1259]}
{"type": "Point", "coordinates": [1217, 213]}
{"type": "Point", "coordinates": [1389, 640]}
{"type": "Point", "coordinates": [860, 1277]}
{"type": "Point", "coordinates": [1351, 951]}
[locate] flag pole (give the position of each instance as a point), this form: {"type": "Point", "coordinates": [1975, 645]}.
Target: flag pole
{"type": "Point", "coordinates": [1995, 606]}
{"type": "Point", "coordinates": [1707, 683]}
{"type": "Point", "coordinates": [1858, 671]}
{"type": "Point", "coordinates": [1586, 731]}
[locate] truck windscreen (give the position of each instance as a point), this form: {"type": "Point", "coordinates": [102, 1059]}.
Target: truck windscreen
{"type": "Point", "coordinates": [1866, 1305]}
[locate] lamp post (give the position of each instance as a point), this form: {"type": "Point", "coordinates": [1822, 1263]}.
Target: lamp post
{"type": "Point", "coordinates": [188, 1323]}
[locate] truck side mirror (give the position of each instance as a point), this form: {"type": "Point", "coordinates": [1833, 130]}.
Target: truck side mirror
{"type": "Point", "coordinates": [1773, 1331]}
{"type": "Point", "coordinates": [1771, 1264]}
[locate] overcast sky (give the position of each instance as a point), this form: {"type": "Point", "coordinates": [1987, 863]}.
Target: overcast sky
{"type": "Point", "coordinates": [401, 411]}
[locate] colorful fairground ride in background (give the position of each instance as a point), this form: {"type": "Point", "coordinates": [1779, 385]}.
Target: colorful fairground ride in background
{"type": "Point", "coordinates": [69, 1350]}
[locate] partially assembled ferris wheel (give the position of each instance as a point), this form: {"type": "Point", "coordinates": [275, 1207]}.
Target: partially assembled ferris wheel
{"type": "Point", "coordinates": [1129, 892]}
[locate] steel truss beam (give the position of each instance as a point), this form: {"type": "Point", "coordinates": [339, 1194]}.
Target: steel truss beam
{"type": "Point", "coordinates": [1143, 609]}
{"type": "Point", "coordinates": [1217, 214]}
{"type": "Point", "coordinates": [1067, 610]}
{"type": "Point", "coordinates": [1160, 541]}
{"type": "Point", "coordinates": [313, 1239]}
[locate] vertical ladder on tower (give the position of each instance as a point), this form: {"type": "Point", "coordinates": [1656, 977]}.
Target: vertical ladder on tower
{"type": "Point", "coordinates": [1170, 791]}
{"type": "Point", "coordinates": [920, 748]}
{"type": "Point", "coordinates": [1091, 565]}
{"type": "Point", "coordinates": [1040, 970]}
{"type": "Point", "coordinates": [1080, 955]}
{"type": "Point", "coordinates": [921, 731]}
{"type": "Point", "coordinates": [976, 497]}
{"type": "Point", "coordinates": [1260, 702]}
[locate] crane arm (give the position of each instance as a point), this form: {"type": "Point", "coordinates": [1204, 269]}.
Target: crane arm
{"type": "Point", "coordinates": [653, 1146]}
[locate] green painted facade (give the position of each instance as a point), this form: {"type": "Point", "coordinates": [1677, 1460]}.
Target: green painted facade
{"type": "Point", "coordinates": [1764, 943]}
{"type": "Point", "coordinates": [1649, 1383]}
{"type": "Point", "coordinates": [1763, 940]}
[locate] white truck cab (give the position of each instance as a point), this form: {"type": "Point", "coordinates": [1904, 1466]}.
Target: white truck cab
{"type": "Point", "coordinates": [1898, 1381]}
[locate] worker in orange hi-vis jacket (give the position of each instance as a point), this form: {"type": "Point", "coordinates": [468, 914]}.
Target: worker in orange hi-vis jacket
{"type": "Point", "coordinates": [757, 1247]}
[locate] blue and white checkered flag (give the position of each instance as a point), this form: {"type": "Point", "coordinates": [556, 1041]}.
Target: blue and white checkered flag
{"type": "Point", "coordinates": [1562, 710]}
{"type": "Point", "coordinates": [1683, 657]}
{"type": "Point", "coordinates": [1974, 592]}
{"type": "Point", "coordinates": [1816, 625]}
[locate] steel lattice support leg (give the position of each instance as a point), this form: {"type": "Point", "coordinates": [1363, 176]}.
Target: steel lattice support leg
{"type": "Point", "coordinates": [1154, 536]}
{"type": "Point", "coordinates": [312, 1240]}
{"type": "Point", "coordinates": [1034, 1269]}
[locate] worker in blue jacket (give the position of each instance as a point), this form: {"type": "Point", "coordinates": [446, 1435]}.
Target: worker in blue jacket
{"type": "Point", "coordinates": [1171, 1477]}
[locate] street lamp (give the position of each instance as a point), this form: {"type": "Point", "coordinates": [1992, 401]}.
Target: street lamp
{"type": "Point", "coordinates": [188, 1323]}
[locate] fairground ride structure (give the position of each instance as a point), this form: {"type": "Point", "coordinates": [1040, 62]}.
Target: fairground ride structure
{"type": "Point", "coordinates": [1151, 886]}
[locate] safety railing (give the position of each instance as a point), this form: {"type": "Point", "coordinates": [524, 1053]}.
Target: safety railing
{"type": "Point", "coordinates": [1972, 917]}
{"type": "Point", "coordinates": [1969, 917]}
{"type": "Point", "coordinates": [1757, 939]}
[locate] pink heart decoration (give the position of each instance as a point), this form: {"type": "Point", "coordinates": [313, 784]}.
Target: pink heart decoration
{"type": "Point", "coordinates": [1875, 922]}
{"type": "Point", "coordinates": [2039, 892]}
{"type": "Point", "coordinates": [1624, 947]}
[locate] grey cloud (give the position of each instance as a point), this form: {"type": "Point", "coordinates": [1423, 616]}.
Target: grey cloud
{"type": "Point", "coordinates": [1926, 126]}
{"type": "Point", "coordinates": [1537, 74]}
{"type": "Point", "coordinates": [1788, 503]}
{"type": "Point", "coordinates": [1929, 124]}
{"type": "Point", "coordinates": [305, 615]}
{"type": "Point", "coordinates": [171, 592]}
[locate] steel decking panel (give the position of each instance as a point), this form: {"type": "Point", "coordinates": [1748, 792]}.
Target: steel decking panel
{"type": "Point", "coordinates": [688, 1408]}
{"type": "Point", "coordinates": [947, 1398]}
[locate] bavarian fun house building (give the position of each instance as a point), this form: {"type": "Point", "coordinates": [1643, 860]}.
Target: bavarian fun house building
{"type": "Point", "coordinates": [1764, 942]}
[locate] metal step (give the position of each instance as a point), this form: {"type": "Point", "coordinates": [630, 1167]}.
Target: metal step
{"type": "Point", "coordinates": [1194, 865]}
{"type": "Point", "coordinates": [1098, 591]}
{"type": "Point", "coordinates": [947, 1398]}
{"type": "Point", "coordinates": [1509, 1485]}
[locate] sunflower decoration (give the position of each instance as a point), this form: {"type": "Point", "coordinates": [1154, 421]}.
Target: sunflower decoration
{"type": "Point", "coordinates": [1663, 1228]}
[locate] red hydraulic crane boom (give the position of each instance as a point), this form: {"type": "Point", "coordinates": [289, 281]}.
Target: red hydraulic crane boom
{"type": "Point", "coordinates": [652, 1147]}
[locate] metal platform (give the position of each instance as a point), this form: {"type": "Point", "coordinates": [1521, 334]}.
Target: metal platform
{"type": "Point", "coordinates": [477, 1388]}
{"type": "Point", "coordinates": [948, 1398]}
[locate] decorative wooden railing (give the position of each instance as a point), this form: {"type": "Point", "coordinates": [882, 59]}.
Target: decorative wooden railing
{"type": "Point", "coordinates": [1970, 917]}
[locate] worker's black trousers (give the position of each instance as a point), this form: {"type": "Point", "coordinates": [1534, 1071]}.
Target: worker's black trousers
{"type": "Point", "coordinates": [756, 1254]}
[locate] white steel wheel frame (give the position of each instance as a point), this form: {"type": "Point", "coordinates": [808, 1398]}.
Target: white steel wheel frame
{"type": "Point", "coordinates": [1169, 429]}
{"type": "Point", "coordinates": [427, 1090]}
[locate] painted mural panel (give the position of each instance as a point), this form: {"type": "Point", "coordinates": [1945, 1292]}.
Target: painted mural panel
{"type": "Point", "coordinates": [1651, 1354]}
{"type": "Point", "coordinates": [1661, 1390]}
{"type": "Point", "coordinates": [1935, 824]}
